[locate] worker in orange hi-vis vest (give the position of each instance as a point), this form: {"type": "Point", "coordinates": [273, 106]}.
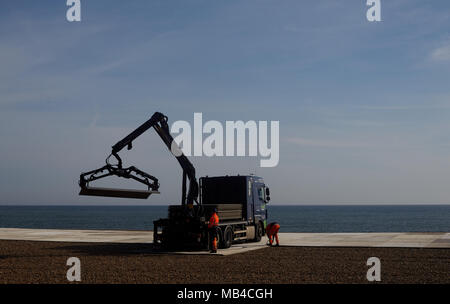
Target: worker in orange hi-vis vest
{"type": "Point", "coordinates": [212, 229]}
{"type": "Point", "coordinates": [272, 231]}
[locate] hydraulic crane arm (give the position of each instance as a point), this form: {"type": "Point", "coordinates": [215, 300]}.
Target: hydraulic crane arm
{"type": "Point", "coordinates": [159, 122]}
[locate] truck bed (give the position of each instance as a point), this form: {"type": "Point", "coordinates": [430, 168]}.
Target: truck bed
{"type": "Point", "coordinates": [226, 212]}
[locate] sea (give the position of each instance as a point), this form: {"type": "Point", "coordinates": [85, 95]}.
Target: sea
{"type": "Point", "coordinates": [342, 218]}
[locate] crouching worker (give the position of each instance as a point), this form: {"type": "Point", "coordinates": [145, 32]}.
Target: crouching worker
{"type": "Point", "coordinates": [212, 230]}
{"type": "Point", "coordinates": [272, 232]}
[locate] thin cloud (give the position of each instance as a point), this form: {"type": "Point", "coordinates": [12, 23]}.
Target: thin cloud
{"type": "Point", "coordinates": [319, 143]}
{"type": "Point", "coordinates": [441, 54]}
{"type": "Point", "coordinates": [404, 107]}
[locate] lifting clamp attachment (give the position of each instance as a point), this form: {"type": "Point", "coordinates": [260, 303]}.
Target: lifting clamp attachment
{"type": "Point", "coordinates": [116, 170]}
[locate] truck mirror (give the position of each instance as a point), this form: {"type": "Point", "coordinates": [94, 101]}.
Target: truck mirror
{"type": "Point", "coordinates": [267, 192]}
{"type": "Point", "coordinates": [267, 199]}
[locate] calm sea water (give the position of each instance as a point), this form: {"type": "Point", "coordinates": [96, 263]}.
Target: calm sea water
{"type": "Point", "coordinates": [291, 218]}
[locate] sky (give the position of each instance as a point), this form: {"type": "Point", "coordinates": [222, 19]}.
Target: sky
{"type": "Point", "coordinates": [363, 107]}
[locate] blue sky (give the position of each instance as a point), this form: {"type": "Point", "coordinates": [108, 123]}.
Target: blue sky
{"type": "Point", "coordinates": [364, 108]}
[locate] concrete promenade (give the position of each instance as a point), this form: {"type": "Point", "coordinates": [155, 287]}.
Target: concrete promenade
{"type": "Point", "coordinates": [398, 240]}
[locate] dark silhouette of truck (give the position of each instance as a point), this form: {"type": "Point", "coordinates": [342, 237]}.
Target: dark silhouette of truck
{"type": "Point", "coordinates": [241, 205]}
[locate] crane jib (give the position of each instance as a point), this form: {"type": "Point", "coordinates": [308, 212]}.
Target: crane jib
{"type": "Point", "coordinates": [159, 122]}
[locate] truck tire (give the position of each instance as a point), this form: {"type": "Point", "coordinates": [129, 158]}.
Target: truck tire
{"type": "Point", "coordinates": [258, 232]}
{"type": "Point", "coordinates": [227, 237]}
{"type": "Point", "coordinates": [219, 238]}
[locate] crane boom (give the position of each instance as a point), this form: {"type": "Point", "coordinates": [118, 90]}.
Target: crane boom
{"type": "Point", "coordinates": [159, 122]}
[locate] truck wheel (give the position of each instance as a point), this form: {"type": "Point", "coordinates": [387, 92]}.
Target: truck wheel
{"type": "Point", "coordinates": [258, 232]}
{"type": "Point", "coordinates": [219, 238]}
{"type": "Point", "coordinates": [227, 237]}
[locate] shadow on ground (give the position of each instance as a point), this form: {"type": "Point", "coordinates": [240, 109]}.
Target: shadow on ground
{"type": "Point", "coordinates": [123, 249]}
